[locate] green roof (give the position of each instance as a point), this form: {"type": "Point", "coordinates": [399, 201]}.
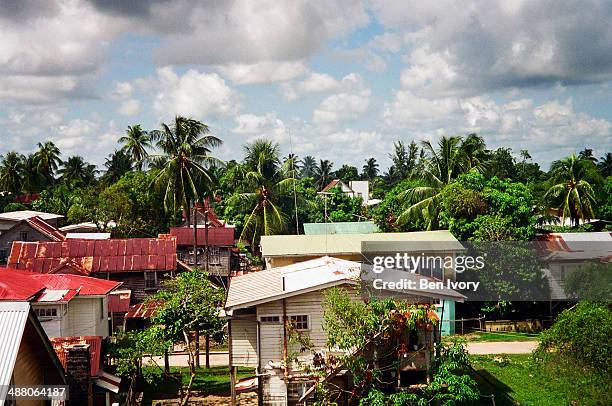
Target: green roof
{"type": "Point", "coordinates": [362, 227]}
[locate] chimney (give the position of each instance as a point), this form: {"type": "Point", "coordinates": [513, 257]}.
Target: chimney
{"type": "Point", "coordinates": [78, 374]}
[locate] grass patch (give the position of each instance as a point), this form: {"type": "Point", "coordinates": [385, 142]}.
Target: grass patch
{"type": "Point", "coordinates": [520, 378]}
{"type": "Point", "coordinates": [211, 381]}
{"type": "Point", "coordinates": [482, 336]}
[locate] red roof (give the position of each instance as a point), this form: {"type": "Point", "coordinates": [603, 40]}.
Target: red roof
{"type": "Point", "coordinates": [24, 285]}
{"type": "Point", "coordinates": [45, 228]}
{"type": "Point", "coordinates": [142, 310]}
{"type": "Point", "coordinates": [18, 285]}
{"type": "Point", "coordinates": [60, 345]}
{"type": "Point", "coordinates": [93, 256]}
{"type": "Point", "coordinates": [119, 301]}
{"type": "Point", "coordinates": [330, 185]}
{"type": "Point", "coordinates": [217, 236]}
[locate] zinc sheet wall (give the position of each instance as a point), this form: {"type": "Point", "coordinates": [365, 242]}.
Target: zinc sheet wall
{"type": "Point", "coordinates": [244, 342]}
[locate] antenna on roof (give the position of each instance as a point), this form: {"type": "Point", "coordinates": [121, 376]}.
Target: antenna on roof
{"type": "Point", "coordinates": [294, 175]}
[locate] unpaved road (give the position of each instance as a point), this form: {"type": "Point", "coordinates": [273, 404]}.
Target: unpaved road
{"type": "Point", "coordinates": [501, 347]}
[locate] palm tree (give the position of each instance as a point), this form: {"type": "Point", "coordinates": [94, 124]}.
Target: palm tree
{"type": "Point", "coordinates": [293, 163]}
{"type": "Point", "coordinates": [323, 173]}
{"type": "Point", "coordinates": [571, 192]}
{"type": "Point", "coordinates": [32, 179]}
{"type": "Point", "coordinates": [370, 169]}
{"type": "Point", "coordinates": [135, 143]}
{"type": "Point", "coordinates": [77, 171]}
{"type": "Point", "coordinates": [309, 165]}
{"type": "Point", "coordinates": [117, 164]}
{"type": "Point", "coordinates": [474, 153]}
{"type": "Point", "coordinates": [187, 146]}
{"type": "Point", "coordinates": [11, 172]}
{"type": "Point", "coordinates": [443, 165]}
{"type": "Point", "coordinates": [587, 154]}
{"type": "Point", "coordinates": [48, 160]}
{"type": "Point", "coordinates": [605, 165]}
{"type": "Point", "coordinates": [269, 184]}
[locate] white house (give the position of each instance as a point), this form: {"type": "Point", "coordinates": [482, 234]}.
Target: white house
{"type": "Point", "coordinates": [66, 305]}
{"type": "Point", "coordinates": [259, 306]}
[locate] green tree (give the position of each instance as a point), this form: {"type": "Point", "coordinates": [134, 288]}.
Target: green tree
{"type": "Point", "coordinates": [33, 180]}
{"type": "Point", "coordinates": [605, 165]}
{"type": "Point", "coordinates": [370, 169]}
{"type": "Point", "coordinates": [77, 172]}
{"type": "Point", "coordinates": [347, 173]}
{"type": "Point", "coordinates": [442, 166]}
{"type": "Point", "coordinates": [571, 191]}
{"type": "Point", "coordinates": [129, 349]}
{"type": "Point", "coordinates": [581, 334]}
{"type": "Point", "coordinates": [117, 164]}
{"type": "Point", "coordinates": [135, 143]}
{"type": "Point", "coordinates": [48, 160]}
{"type": "Point", "coordinates": [323, 173]}
{"type": "Point", "coordinates": [188, 303]}
{"type": "Point", "coordinates": [187, 147]}
{"type": "Point", "coordinates": [11, 172]}
{"type": "Point", "coordinates": [309, 165]}
{"type": "Point", "coordinates": [266, 184]}
{"type": "Point", "coordinates": [605, 208]}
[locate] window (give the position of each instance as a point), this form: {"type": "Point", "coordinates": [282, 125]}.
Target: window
{"type": "Point", "coordinates": [102, 308]}
{"type": "Point", "coordinates": [24, 236]}
{"type": "Point", "coordinates": [45, 312]}
{"type": "Point", "coordinates": [150, 280]}
{"type": "Point", "coordinates": [269, 319]}
{"type": "Point", "coordinates": [299, 322]}
{"type": "Point", "coordinates": [213, 256]}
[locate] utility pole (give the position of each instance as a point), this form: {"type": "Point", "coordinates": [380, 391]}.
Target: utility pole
{"type": "Point", "coordinates": [195, 262]}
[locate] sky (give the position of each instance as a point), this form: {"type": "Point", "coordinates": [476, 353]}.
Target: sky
{"type": "Point", "coordinates": [336, 79]}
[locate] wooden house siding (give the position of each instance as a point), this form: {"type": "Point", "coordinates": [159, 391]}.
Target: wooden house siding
{"type": "Point", "coordinates": [135, 281]}
{"type": "Point", "coordinates": [244, 342]}
{"type": "Point", "coordinates": [14, 234]}
{"type": "Point", "coordinates": [85, 318]}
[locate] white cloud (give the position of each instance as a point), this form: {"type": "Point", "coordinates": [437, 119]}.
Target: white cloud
{"type": "Point", "coordinates": [263, 72]}
{"type": "Point", "coordinates": [243, 31]}
{"type": "Point", "coordinates": [195, 94]}
{"type": "Point", "coordinates": [130, 107]}
{"type": "Point", "coordinates": [315, 82]}
{"type": "Point", "coordinates": [469, 47]}
{"type": "Point", "coordinates": [345, 105]}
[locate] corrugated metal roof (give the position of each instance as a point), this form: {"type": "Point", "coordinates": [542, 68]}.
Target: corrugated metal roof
{"type": "Point", "coordinates": [312, 275]}
{"type": "Point", "coordinates": [119, 301]}
{"type": "Point", "coordinates": [13, 318]}
{"type": "Point", "coordinates": [26, 214]}
{"type": "Point", "coordinates": [361, 227]}
{"type": "Point", "coordinates": [142, 310]}
{"type": "Point", "coordinates": [18, 285]}
{"type": "Point", "coordinates": [89, 236]}
{"type": "Point", "coordinates": [24, 285]}
{"type": "Point", "coordinates": [92, 256]}
{"type": "Point", "coordinates": [61, 295]}
{"type": "Point", "coordinates": [60, 345]}
{"type": "Point", "coordinates": [335, 244]}
{"type": "Point", "coordinates": [45, 228]}
{"type": "Point", "coordinates": [217, 236]}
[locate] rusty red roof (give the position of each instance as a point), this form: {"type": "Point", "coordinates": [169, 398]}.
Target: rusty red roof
{"type": "Point", "coordinates": [45, 228]}
{"type": "Point", "coordinates": [143, 310]}
{"type": "Point", "coordinates": [24, 285]}
{"type": "Point", "coordinates": [60, 345]}
{"type": "Point", "coordinates": [93, 256]}
{"type": "Point", "coordinates": [119, 301]}
{"type": "Point", "coordinates": [217, 236]}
